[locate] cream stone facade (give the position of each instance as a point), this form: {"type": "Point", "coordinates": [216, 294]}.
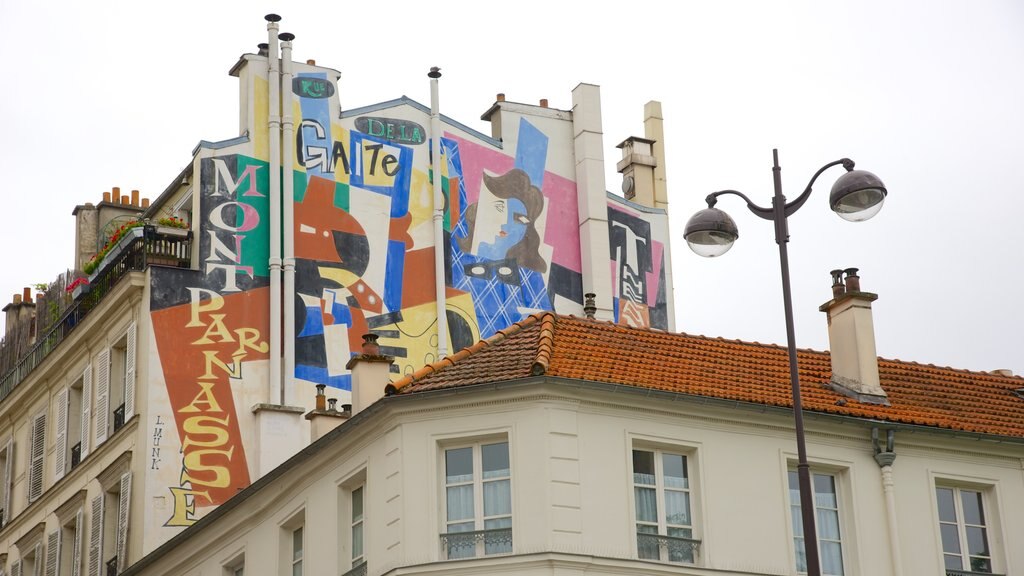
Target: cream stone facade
{"type": "Point", "coordinates": [571, 450]}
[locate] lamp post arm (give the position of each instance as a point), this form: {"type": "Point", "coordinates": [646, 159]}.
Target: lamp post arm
{"type": "Point", "coordinates": [796, 204]}
{"type": "Point", "coordinates": [765, 213]}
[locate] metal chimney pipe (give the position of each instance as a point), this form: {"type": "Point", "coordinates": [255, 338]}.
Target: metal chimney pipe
{"type": "Point", "coordinates": [288, 155]}
{"type": "Point", "coordinates": [439, 280]}
{"type": "Point", "coordinates": [276, 391]}
{"type": "Point", "coordinates": [852, 280]}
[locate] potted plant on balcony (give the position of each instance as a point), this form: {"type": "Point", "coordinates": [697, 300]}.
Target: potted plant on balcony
{"type": "Point", "coordinates": [172, 226]}
{"type": "Point", "coordinates": [118, 240]}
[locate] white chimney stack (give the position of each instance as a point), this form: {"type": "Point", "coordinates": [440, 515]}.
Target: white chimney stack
{"type": "Point", "coordinates": [371, 374]}
{"type": "Point", "coordinates": [851, 335]}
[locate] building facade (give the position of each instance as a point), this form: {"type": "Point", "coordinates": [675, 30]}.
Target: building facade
{"type": "Point", "coordinates": [172, 367]}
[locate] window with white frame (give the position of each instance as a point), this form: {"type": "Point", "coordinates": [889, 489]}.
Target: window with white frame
{"type": "Point", "coordinates": [826, 504]}
{"type": "Point", "coordinates": [69, 553]}
{"type": "Point", "coordinates": [236, 566]}
{"type": "Point", "coordinates": [664, 516]}
{"type": "Point", "coordinates": [964, 529]}
{"type": "Point", "coordinates": [297, 551]}
{"type": "Point", "coordinates": [36, 456]}
{"type": "Point", "coordinates": [356, 526]}
{"type": "Point", "coordinates": [478, 500]}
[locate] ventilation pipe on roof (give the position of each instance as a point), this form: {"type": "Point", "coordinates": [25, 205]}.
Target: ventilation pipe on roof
{"type": "Point", "coordinates": [435, 153]}
{"type": "Point", "coordinates": [885, 456]}
{"type": "Point", "coordinates": [288, 217]}
{"type": "Point", "coordinates": [851, 335]}
{"type": "Point", "coordinates": [276, 392]}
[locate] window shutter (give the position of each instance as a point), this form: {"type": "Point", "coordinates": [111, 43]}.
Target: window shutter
{"type": "Point", "coordinates": [129, 374]}
{"type": "Point", "coordinates": [76, 546]}
{"type": "Point", "coordinates": [86, 409]}
{"type": "Point", "coordinates": [62, 434]}
{"type": "Point", "coordinates": [122, 521]}
{"type": "Point", "coordinates": [37, 565]}
{"type": "Point", "coordinates": [16, 568]}
{"type": "Point", "coordinates": [37, 451]}
{"type": "Point", "coordinates": [96, 536]}
{"type": "Point", "coordinates": [102, 395]}
{"type": "Point", "coordinates": [52, 552]}
{"type": "Point", "coordinates": [8, 481]}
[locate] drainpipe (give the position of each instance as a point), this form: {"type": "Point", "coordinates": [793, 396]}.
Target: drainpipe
{"type": "Point", "coordinates": [439, 283]}
{"type": "Point", "coordinates": [274, 128]}
{"type": "Point", "coordinates": [885, 458]}
{"type": "Point", "coordinates": [288, 159]}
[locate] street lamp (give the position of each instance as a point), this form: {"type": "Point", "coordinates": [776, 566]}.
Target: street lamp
{"type": "Point", "coordinates": [856, 196]}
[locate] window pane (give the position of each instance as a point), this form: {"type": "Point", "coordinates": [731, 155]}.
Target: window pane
{"type": "Point", "coordinates": [646, 505]}
{"type": "Point", "coordinates": [977, 541]}
{"type": "Point", "coordinates": [643, 467]}
{"type": "Point", "coordinates": [680, 551]}
{"type": "Point", "coordinates": [831, 559]}
{"type": "Point", "coordinates": [647, 546]}
{"type": "Point", "coordinates": [981, 565]}
{"type": "Point", "coordinates": [828, 524]}
{"type": "Point", "coordinates": [950, 539]}
{"type": "Point", "coordinates": [674, 468]}
{"type": "Point", "coordinates": [797, 519]}
{"type": "Point", "coordinates": [677, 508]}
{"type": "Point", "coordinates": [825, 491]}
{"type": "Point", "coordinates": [460, 503]}
{"type": "Point", "coordinates": [972, 507]}
{"type": "Point", "coordinates": [794, 488]}
{"type": "Point", "coordinates": [460, 527]}
{"type": "Point", "coordinates": [801, 555]}
{"type": "Point", "coordinates": [357, 540]}
{"type": "Point", "coordinates": [947, 511]}
{"type": "Point", "coordinates": [459, 465]}
{"type": "Point", "coordinates": [495, 460]}
{"type": "Point", "coordinates": [499, 542]}
{"type": "Point", "coordinates": [357, 504]}
{"type": "Point", "coordinates": [497, 498]}
{"type": "Point", "coordinates": [497, 523]}
{"type": "Point", "coordinates": [297, 544]}
{"type": "Point", "coordinates": [297, 569]}
{"type": "Point", "coordinates": [953, 562]}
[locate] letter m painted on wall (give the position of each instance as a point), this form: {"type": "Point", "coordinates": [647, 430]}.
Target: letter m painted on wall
{"type": "Point", "coordinates": [230, 185]}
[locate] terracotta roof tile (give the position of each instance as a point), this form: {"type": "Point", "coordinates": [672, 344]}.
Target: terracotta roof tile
{"type": "Point", "coordinates": [578, 348]}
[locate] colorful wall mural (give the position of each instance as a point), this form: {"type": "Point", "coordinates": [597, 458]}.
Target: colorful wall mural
{"type": "Point", "coordinates": [364, 261]}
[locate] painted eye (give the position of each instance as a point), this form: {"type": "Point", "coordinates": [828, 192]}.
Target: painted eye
{"type": "Point", "coordinates": [504, 271]}
{"type": "Point", "coordinates": [499, 205]}
{"type": "Point", "coordinates": [478, 270]}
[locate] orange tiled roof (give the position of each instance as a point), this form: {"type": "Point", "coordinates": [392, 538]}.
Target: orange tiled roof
{"type": "Point", "coordinates": [570, 347]}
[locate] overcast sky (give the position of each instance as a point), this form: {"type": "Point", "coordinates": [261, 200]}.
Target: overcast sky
{"type": "Point", "coordinates": [929, 95]}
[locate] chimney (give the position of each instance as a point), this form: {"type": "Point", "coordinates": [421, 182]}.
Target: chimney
{"type": "Point", "coordinates": [323, 419]}
{"type": "Point", "coordinates": [851, 335]}
{"type": "Point", "coordinates": [370, 374]}
{"type": "Point", "coordinates": [654, 130]}
{"type": "Point", "coordinates": [637, 169]}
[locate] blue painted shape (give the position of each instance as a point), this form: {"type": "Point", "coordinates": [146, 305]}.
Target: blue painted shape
{"type": "Point", "coordinates": [399, 189]}
{"type": "Point", "coordinates": [394, 269]}
{"type": "Point", "coordinates": [342, 314]}
{"type": "Point", "coordinates": [318, 110]}
{"type": "Point", "coordinates": [615, 309]}
{"type": "Point", "coordinates": [532, 152]}
{"type": "Point", "coordinates": [319, 375]}
{"type": "Point", "coordinates": [314, 323]}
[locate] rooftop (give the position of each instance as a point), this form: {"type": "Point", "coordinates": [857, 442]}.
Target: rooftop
{"type": "Point", "coordinates": [597, 351]}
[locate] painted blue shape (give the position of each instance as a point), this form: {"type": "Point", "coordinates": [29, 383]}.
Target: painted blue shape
{"type": "Point", "coordinates": [320, 376]}
{"type": "Point", "coordinates": [315, 130]}
{"type": "Point", "coordinates": [314, 323]}
{"type": "Point", "coordinates": [342, 314]}
{"type": "Point", "coordinates": [394, 268]}
{"type": "Point", "coordinates": [364, 150]}
{"type": "Point", "coordinates": [615, 309]}
{"type": "Point", "coordinates": [532, 152]}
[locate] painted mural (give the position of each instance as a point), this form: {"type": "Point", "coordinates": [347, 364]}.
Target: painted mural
{"type": "Point", "coordinates": [364, 261]}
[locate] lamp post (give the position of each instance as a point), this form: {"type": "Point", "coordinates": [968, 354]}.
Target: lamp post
{"type": "Point", "coordinates": [856, 196]}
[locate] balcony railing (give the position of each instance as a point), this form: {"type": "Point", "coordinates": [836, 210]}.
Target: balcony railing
{"type": "Point", "coordinates": [152, 248]}
{"type": "Point", "coordinates": [112, 567]}
{"type": "Point", "coordinates": [465, 544]}
{"type": "Point", "coordinates": [76, 455]}
{"type": "Point", "coordinates": [671, 548]}
{"type": "Point", "coordinates": [118, 417]}
{"type": "Point", "coordinates": [954, 572]}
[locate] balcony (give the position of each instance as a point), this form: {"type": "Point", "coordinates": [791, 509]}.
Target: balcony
{"type": "Point", "coordinates": [672, 548]}
{"type": "Point", "coordinates": [954, 572]}
{"type": "Point", "coordinates": [357, 570]}
{"type": "Point", "coordinates": [468, 544]}
{"type": "Point", "coordinates": [118, 417]}
{"type": "Point", "coordinates": [26, 345]}
{"type": "Point", "coordinates": [76, 455]}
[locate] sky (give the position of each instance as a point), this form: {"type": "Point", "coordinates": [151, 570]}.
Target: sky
{"type": "Point", "coordinates": [928, 95]}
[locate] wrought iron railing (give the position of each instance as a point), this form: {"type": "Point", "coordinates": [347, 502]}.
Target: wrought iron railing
{"type": "Point", "coordinates": [670, 548]}
{"type": "Point", "coordinates": [76, 455]}
{"type": "Point", "coordinates": [152, 248]}
{"type": "Point", "coordinates": [465, 544]}
{"type": "Point", "coordinates": [112, 567]}
{"type": "Point", "coordinates": [954, 572]}
{"type": "Point", "coordinates": [118, 417]}
{"type": "Point", "coordinates": [357, 570]}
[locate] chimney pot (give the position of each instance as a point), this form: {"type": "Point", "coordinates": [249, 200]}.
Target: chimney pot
{"type": "Point", "coordinates": [145, 202]}
{"type": "Point", "coordinates": [264, 49]}
{"type": "Point", "coordinates": [116, 193]}
{"type": "Point", "coordinates": [272, 18]}
{"type": "Point", "coordinates": [590, 304]}
{"type": "Point", "coordinates": [106, 196]}
{"type": "Point", "coordinates": [346, 407]}
{"type": "Point", "coordinates": [370, 346]}
{"type": "Point", "coordinates": [321, 400]}
{"type": "Point", "coordinates": [838, 288]}
{"type": "Point", "coordinates": [311, 62]}
{"type": "Point", "coordinates": [135, 197]}
{"type": "Point", "coordinates": [332, 404]}
{"type": "Point", "coordinates": [500, 97]}
{"type": "Point", "coordinates": [286, 37]}
{"type": "Point", "coordinates": [124, 199]}
{"type": "Point", "coordinates": [17, 299]}
{"type": "Point", "coordinates": [543, 102]}
{"type": "Point", "coordinates": [26, 295]}
{"type": "Point", "coordinates": [852, 280]}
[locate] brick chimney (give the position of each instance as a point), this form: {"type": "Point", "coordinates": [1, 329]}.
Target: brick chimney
{"type": "Point", "coordinates": [370, 374]}
{"type": "Point", "coordinates": [851, 335]}
{"type": "Point", "coordinates": [324, 418]}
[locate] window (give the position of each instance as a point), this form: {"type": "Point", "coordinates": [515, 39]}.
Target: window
{"type": "Point", "coordinates": [478, 498]}
{"type": "Point", "coordinates": [236, 567]}
{"type": "Point", "coordinates": [357, 526]}
{"type": "Point", "coordinates": [36, 455]}
{"type": "Point", "coordinates": [69, 552]}
{"type": "Point", "coordinates": [108, 526]}
{"type": "Point", "coordinates": [664, 519]}
{"type": "Point", "coordinates": [69, 429]}
{"type": "Point", "coordinates": [964, 529]}
{"type": "Point", "coordinates": [115, 386]}
{"type": "Point", "coordinates": [6, 480]}
{"type": "Point", "coordinates": [297, 552]}
{"type": "Point", "coordinates": [826, 503]}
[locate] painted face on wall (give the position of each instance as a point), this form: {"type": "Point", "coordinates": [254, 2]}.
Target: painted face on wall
{"type": "Point", "coordinates": [501, 223]}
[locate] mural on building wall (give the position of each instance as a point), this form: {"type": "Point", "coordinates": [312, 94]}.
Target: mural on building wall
{"type": "Point", "coordinates": [364, 261]}
{"type": "Point", "coordinates": [637, 267]}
